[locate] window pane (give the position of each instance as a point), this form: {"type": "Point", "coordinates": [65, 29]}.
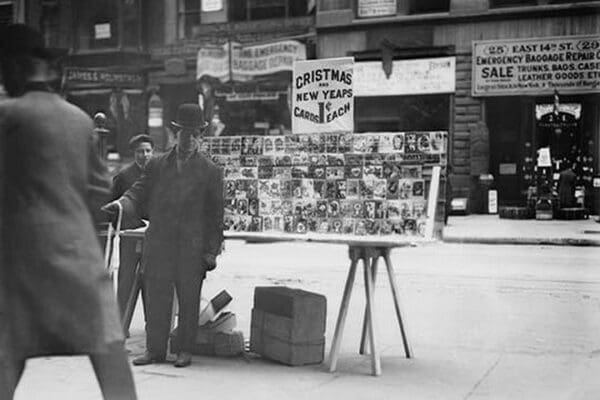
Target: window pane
{"type": "Point", "coordinates": [265, 9]}
{"type": "Point", "coordinates": [237, 10]}
{"type": "Point", "coordinates": [512, 3]}
{"type": "Point", "coordinates": [131, 20]}
{"type": "Point", "coordinates": [298, 8]}
{"type": "Point", "coordinates": [428, 6]}
{"type": "Point", "coordinates": [6, 14]}
{"type": "Point", "coordinates": [97, 24]}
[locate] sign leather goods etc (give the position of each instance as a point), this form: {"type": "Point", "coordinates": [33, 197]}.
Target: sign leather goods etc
{"type": "Point", "coordinates": [322, 96]}
{"type": "Point", "coordinates": [569, 64]}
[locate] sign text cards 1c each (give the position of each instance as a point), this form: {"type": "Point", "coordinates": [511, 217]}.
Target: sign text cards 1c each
{"type": "Point", "coordinates": [322, 96]}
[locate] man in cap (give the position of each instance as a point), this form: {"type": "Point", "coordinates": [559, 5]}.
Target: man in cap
{"type": "Point", "coordinates": [182, 191]}
{"type": "Point", "coordinates": [56, 295]}
{"type": "Point", "coordinates": [142, 147]}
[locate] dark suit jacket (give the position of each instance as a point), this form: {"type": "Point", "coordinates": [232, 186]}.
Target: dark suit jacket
{"type": "Point", "coordinates": [121, 183]}
{"type": "Point", "coordinates": [125, 179]}
{"type": "Point", "coordinates": [60, 296]}
{"type": "Point", "coordinates": [185, 210]}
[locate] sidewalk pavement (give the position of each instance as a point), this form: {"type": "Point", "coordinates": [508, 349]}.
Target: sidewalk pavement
{"type": "Point", "coordinates": [491, 229]}
{"type": "Point", "coordinates": [484, 322]}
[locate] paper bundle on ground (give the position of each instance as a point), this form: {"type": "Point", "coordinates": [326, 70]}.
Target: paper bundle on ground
{"type": "Point", "coordinates": [216, 335]}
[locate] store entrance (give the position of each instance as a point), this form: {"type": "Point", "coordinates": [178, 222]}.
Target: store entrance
{"type": "Point", "coordinates": [507, 121]}
{"type": "Point", "coordinates": [564, 131]}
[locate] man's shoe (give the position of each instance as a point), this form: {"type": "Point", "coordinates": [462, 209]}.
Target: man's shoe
{"type": "Point", "coordinates": [183, 359]}
{"type": "Point", "coordinates": [148, 358]}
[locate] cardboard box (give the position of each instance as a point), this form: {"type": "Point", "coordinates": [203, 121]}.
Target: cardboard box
{"type": "Point", "coordinates": [303, 313]}
{"type": "Point", "coordinates": [288, 325]}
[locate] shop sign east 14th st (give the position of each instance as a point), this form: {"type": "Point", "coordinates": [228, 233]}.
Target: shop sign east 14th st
{"type": "Point", "coordinates": [569, 64]}
{"type": "Point", "coordinates": [322, 96]}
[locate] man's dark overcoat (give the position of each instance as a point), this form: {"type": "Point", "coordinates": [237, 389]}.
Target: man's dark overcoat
{"type": "Point", "coordinates": [185, 210]}
{"type": "Point", "coordinates": [58, 294]}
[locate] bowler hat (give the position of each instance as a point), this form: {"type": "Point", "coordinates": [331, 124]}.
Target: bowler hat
{"type": "Point", "coordinates": [189, 115]}
{"type": "Point", "coordinates": [23, 40]}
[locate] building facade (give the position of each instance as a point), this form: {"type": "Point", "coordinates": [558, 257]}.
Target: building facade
{"type": "Point", "coordinates": [501, 109]}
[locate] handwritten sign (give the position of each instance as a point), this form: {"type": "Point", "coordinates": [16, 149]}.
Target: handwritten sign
{"type": "Point", "coordinates": [322, 97]}
{"type": "Point", "coordinates": [569, 64]}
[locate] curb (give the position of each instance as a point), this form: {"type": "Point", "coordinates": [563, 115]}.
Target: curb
{"type": "Point", "coordinates": [523, 241]}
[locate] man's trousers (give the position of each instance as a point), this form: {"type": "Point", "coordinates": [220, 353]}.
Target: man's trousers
{"type": "Point", "coordinates": [130, 255]}
{"type": "Point", "coordinates": [159, 304]}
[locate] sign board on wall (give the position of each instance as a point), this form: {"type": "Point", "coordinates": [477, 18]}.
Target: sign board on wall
{"type": "Point", "coordinates": [322, 96]}
{"type": "Point", "coordinates": [212, 5]}
{"type": "Point", "coordinates": [569, 64]}
{"type": "Point", "coordinates": [102, 31]}
{"type": "Point", "coordinates": [418, 76]}
{"type": "Point", "coordinates": [376, 8]}
{"type": "Point", "coordinates": [83, 76]}
{"type": "Point", "coordinates": [248, 61]}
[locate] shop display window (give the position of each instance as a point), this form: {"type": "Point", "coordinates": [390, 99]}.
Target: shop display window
{"type": "Point", "coordinates": [401, 113]}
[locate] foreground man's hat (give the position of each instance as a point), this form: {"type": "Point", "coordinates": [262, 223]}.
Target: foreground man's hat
{"type": "Point", "coordinates": [190, 115]}
{"type": "Point", "coordinates": [23, 40]}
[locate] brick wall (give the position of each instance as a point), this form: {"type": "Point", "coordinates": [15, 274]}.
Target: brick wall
{"type": "Point", "coordinates": [467, 113]}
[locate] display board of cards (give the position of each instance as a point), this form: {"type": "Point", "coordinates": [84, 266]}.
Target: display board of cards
{"type": "Point", "coordinates": [344, 183]}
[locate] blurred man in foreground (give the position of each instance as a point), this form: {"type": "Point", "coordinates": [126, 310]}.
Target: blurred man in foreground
{"type": "Point", "coordinates": [58, 297]}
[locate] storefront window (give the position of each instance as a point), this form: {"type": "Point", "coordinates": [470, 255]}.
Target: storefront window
{"type": "Point", "coordinates": [189, 17]}
{"type": "Point", "coordinates": [401, 113]}
{"type": "Point", "coordinates": [105, 24]}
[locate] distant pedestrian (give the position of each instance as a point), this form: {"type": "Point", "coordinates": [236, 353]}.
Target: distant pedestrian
{"type": "Point", "coordinates": [142, 148]}
{"type": "Point", "coordinates": [182, 191]}
{"type": "Point", "coordinates": [57, 295]}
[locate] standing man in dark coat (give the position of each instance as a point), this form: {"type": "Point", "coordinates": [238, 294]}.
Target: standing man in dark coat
{"type": "Point", "coordinates": [182, 191]}
{"type": "Point", "coordinates": [58, 297]}
{"type": "Point", "coordinates": [142, 147]}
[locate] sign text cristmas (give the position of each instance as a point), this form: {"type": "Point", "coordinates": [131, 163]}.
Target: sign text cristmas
{"type": "Point", "coordinates": [322, 96]}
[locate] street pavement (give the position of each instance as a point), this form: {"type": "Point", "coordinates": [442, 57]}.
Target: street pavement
{"type": "Point", "coordinates": [484, 322]}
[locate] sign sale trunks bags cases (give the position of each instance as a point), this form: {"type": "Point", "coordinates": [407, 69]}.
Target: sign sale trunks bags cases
{"type": "Point", "coordinates": [322, 96]}
{"type": "Point", "coordinates": [569, 64]}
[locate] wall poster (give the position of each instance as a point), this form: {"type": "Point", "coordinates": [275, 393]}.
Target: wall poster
{"type": "Point", "coordinates": [340, 183]}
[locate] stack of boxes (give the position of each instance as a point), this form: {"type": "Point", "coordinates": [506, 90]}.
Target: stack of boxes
{"type": "Point", "coordinates": [288, 325]}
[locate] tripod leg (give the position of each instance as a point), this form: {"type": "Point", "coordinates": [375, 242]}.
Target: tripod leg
{"type": "Point", "coordinates": [339, 328]}
{"type": "Point", "coordinates": [133, 297]}
{"type": "Point", "coordinates": [363, 339]}
{"type": "Point", "coordinates": [395, 293]}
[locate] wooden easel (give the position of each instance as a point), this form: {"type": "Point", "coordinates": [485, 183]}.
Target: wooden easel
{"type": "Point", "coordinates": [370, 256]}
